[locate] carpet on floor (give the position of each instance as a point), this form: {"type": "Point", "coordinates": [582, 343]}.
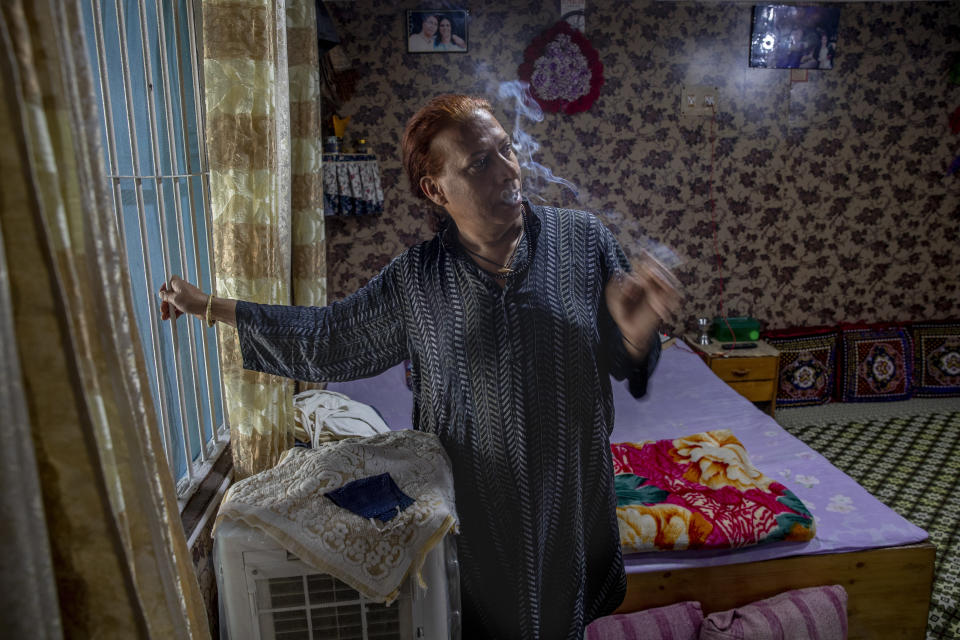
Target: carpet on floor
{"type": "Point", "coordinates": [912, 464]}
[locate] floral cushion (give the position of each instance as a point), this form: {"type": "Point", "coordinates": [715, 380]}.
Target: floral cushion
{"type": "Point", "coordinates": [808, 363]}
{"type": "Point", "coordinates": [700, 492]}
{"type": "Point", "coordinates": [936, 359]}
{"type": "Point", "coordinates": [877, 364]}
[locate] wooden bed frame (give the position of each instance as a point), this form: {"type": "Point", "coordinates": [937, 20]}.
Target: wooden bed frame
{"type": "Point", "coordinates": [888, 589]}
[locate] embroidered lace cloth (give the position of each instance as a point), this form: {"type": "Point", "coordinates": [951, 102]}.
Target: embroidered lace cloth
{"type": "Point", "coordinates": [287, 503]}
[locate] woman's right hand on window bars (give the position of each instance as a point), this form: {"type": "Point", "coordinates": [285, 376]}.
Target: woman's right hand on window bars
{"type": "Point", "coordinates": [182, 297]}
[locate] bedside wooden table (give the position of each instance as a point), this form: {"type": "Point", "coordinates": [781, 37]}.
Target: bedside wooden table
{"type": "Point", "coordinates": [753, 373]}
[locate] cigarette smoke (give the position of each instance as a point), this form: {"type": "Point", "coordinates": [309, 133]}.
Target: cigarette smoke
{"type": "Point", "coordinates": [537, 177]}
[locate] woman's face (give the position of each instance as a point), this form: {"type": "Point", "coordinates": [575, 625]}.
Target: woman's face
{"type": "Point", "coordinates": [445, 30]}
{"type": "Point", "coordinates": [429, 26]}
{"type": "Point", "coordinates": [478, 165]}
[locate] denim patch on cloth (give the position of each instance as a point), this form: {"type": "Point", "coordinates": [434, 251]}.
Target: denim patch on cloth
{"type": "Point", "coordinates": [372, 497]}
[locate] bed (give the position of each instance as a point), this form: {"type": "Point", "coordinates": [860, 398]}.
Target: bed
{"type": "Point", "coordinates": [884, 562]}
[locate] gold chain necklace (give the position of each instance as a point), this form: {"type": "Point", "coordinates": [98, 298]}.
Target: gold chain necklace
{"type": "Point", "coordinates": [504, 269]}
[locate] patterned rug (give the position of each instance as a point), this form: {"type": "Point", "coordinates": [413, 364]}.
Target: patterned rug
{"type": "Point", "coordinates": [911, 464]}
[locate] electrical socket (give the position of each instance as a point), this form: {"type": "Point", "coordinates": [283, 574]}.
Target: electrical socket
{"type": "Point", "coordinates": [699, 100]}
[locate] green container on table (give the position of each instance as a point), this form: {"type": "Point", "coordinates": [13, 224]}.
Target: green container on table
{"type": "Point", "coordinates": [744, 328]}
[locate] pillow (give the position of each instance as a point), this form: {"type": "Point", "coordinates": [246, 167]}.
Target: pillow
{"type": "Point", "coordinates": [808, 367]}
{"type": "Point", "coordinates": [680, 621]}
{"type": "Point", "coordinates": [877, 364]}
{"type": "Point", "coordinates": [814, 613]}
{"type": "Point", "coordinates": [936, 359]}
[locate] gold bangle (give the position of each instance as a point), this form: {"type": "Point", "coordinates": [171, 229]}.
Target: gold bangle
{"type": "Point", "coordinates": [209, 317]}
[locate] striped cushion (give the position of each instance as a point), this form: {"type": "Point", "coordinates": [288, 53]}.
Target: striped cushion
{"type": "Point", "coordinates": [817, 613]}
{"type": "Point", "coordinates": [679, 621]}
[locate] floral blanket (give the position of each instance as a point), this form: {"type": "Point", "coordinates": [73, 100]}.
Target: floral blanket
{"type": "Point", "coordinates": [700, 492]}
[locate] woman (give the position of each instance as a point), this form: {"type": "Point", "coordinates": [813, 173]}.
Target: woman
{"type": "Point", "coordinates": [447, 40]}
{"type": "Point", "coordinates": [824, 53]}
{"type": "Point", "coordinates": [424, 39]}
{"type": "Point", "coordinates": [514, 317]}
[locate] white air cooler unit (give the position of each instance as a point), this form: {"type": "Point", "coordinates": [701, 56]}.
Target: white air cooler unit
{"type": "Point", "coordinates": [267, 593]}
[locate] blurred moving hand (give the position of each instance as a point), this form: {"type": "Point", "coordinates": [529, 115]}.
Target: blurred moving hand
{"type": "Point", "coordinates": [639, 300]}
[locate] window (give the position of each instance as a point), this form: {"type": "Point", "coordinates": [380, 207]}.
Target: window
{"type": "Point", "coordinates": [145, 59]}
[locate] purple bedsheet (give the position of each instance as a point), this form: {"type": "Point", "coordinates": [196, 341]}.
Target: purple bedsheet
{"type": "Point", "coordinates": [685, 397]}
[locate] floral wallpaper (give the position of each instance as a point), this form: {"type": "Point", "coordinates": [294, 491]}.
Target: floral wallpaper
{"type": "Point", "coordinates": [831, 199]}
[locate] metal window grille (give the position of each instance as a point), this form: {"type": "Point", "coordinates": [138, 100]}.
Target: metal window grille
{"type": "Point", "coordinates": [145, 53]}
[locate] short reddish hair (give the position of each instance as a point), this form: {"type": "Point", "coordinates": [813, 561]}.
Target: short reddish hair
{"type": "Point", "coordinates": [438, 114]}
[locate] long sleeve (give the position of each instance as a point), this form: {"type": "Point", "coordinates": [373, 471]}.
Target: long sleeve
{"type": "Point", "coordinates": [356, 337]}
{"type": "Point", "coordinates": [621, 363]}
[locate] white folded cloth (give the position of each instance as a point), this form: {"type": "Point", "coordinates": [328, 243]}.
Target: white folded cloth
{"type": "Point", "coordinates": [322, 416]}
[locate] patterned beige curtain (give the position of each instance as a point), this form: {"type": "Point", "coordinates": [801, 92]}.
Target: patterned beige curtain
{"type": "Point", "coordinates": [260, 57]}
{"type": "Point", "coordinates": [309, 242]}
{"type": "Point", "coordinates": [74, 374]}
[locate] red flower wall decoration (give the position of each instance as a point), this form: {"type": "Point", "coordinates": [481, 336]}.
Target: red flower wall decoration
{"type": "Point", "coordinates": [563, 70]}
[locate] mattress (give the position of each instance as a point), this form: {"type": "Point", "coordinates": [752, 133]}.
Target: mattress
{"type": "Point", "coordinates": [685, 397]}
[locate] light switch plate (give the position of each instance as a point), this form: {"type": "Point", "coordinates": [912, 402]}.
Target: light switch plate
{"type": "Point", "coordinates": [699, 100]}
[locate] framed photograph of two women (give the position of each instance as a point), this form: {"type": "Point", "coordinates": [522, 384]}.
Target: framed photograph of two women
{"type": "Point", "coordinates": [436, 31]}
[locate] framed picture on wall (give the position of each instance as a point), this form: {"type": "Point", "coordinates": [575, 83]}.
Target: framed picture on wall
{"type": "Point", "coordinates": [792, 37]}
{"type": "Point", "coordinates": [436, 31]}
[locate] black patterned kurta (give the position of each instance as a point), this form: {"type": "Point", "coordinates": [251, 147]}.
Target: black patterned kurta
{"type": "Point", "coordinates": [516, 383]}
